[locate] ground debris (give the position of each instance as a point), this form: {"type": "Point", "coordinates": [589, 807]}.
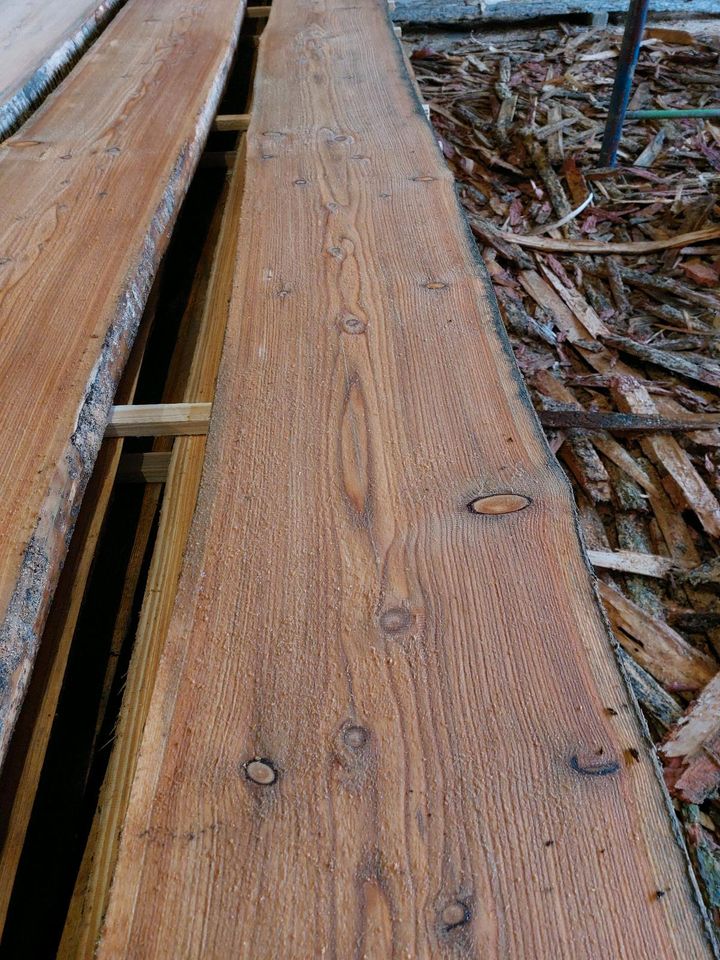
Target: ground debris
{"type": "Point", "coordinates": [608, 282]}
{"type": "Point", "coordinates": [705, 853]}
{"type": "Point", "coordinates": [691, 752]}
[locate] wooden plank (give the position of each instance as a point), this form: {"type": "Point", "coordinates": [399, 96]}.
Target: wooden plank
{"type": "Point", "coordinates": [89, 190]}
{"type": "Point", "coordinates": [469, 11]}
{"type": "Point", "coordinates": [21, 772]}
{"type": "Point", "coordinates": [383, 724]}
{"type": "Point", "coordinates": [151, 467]}
{"type": "Point", "coordinates": [90, 897]}
{"type": "Point", "coordinates": [158, 420]}
{"type": "Point", "coordinates": [231, 121]}
{"type": "Point", "coordinates": [216, 159]}
{"type": "Point", "coordinates": [39, 42]}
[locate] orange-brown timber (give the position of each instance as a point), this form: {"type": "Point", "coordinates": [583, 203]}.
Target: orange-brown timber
{"type": "Point", "coordinates": [385, 725]}
{"type": "Point", "coordinates": [89, 188]}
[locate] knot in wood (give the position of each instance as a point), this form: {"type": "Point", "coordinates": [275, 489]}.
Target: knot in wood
{"type": "Point", "coordinates": [594, 765]}
{"type": "Point", "coordinates": [455, 914]}
{"type": "Point", "coordinates": [396, 620]}
{"type": "Point", "coordinates": [499, 503]}
{"type": "Point", "coordinates": [355, 737]}
{"type": "Point", "coordinates": [261, 771]}
{"type": "Point", "coordinates": [352, 325]}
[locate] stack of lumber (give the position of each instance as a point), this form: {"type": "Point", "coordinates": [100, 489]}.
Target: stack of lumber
{"type": "Point", "coordinates": [381, 715]}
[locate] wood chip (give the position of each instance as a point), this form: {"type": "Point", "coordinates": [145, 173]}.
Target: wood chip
{"type": "Point", "coordinates": [635, 248]}
{"type": "Point", "coordinates": [656, 646]}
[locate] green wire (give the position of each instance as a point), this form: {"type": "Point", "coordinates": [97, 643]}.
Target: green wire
{"type": "Point", "coordinates": [671, 114]}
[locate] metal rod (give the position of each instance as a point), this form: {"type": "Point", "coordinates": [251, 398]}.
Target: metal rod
{"type": "Point", "coordinates": [629, 51]}
{"type": "Point", "coordinates": [709, 113]}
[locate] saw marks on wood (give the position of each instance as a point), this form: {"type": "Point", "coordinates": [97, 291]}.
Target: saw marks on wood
{"type": "Point", "coordinates": [90, 188]}
{"type": "Point", "coordinates": [388, 721]}
{"type": "Point", "coordinates": [39, 41]}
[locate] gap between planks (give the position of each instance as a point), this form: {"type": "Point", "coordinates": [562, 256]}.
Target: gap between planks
{"type": "Point", "coordinates": [182, 471]}
{"type": "Point", "coordinates": [22, 770]}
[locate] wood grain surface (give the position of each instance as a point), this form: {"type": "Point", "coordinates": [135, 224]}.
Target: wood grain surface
{"type": "Point", "coordinates": [89, 188]}
{"type": "Point", "coordinates": [39, 41]}
{"type": "Point", "coordinates": [384, 724]}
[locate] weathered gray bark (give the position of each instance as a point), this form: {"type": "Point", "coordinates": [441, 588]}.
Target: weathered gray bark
{"type": "Point", "coordinates": [464, 11]}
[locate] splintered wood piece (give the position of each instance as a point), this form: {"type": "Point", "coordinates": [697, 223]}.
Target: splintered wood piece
{"type": "Point", "coordinates": [628, 561]}
{"type": "Point", "coordinates": [545, 296]}
{"type": "Point", "coordinates": [591, 420]}
{"type": "Point", "coordinates": [692, 749]}
{"type": "Point", "coordinates": [700, 429]}
{"type": "Point", "coordinates": [623, 459]}
{"type": "Point", "coordinates": [550, 386]}
{"type": "Point", "coordinates": [601, 247]}
{"type": "Point", "coordinates": [656, 646]}
{"type": "Point", "coordinates": [90, 188]}
{"type": "Point", "coordinates": [577, 303]}
{"type": "Point", "coordinates": [656, 701]}
{"type": "Point", "coordinates": [454, 764]}
{"type": "Point", "coordinates": [39, 43]}
{"type": "Point", "coordinates": [633, 396]}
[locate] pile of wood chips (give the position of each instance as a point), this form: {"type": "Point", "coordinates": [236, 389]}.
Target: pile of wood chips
{"type": "Point", "coordinates": [611, 301]}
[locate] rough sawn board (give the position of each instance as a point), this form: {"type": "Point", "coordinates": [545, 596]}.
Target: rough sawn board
{"type": "Point", "coordinates": [384, 725]}
{"type": "Point", "coordinates": [89, 189]}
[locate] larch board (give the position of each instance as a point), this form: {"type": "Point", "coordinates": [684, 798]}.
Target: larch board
{"type": "Point", "coordinates": [385, 725]}
{"type": "Point", "coordinates": [39, 41]}
{"type": "Point", "coordinates": [89, 189]}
